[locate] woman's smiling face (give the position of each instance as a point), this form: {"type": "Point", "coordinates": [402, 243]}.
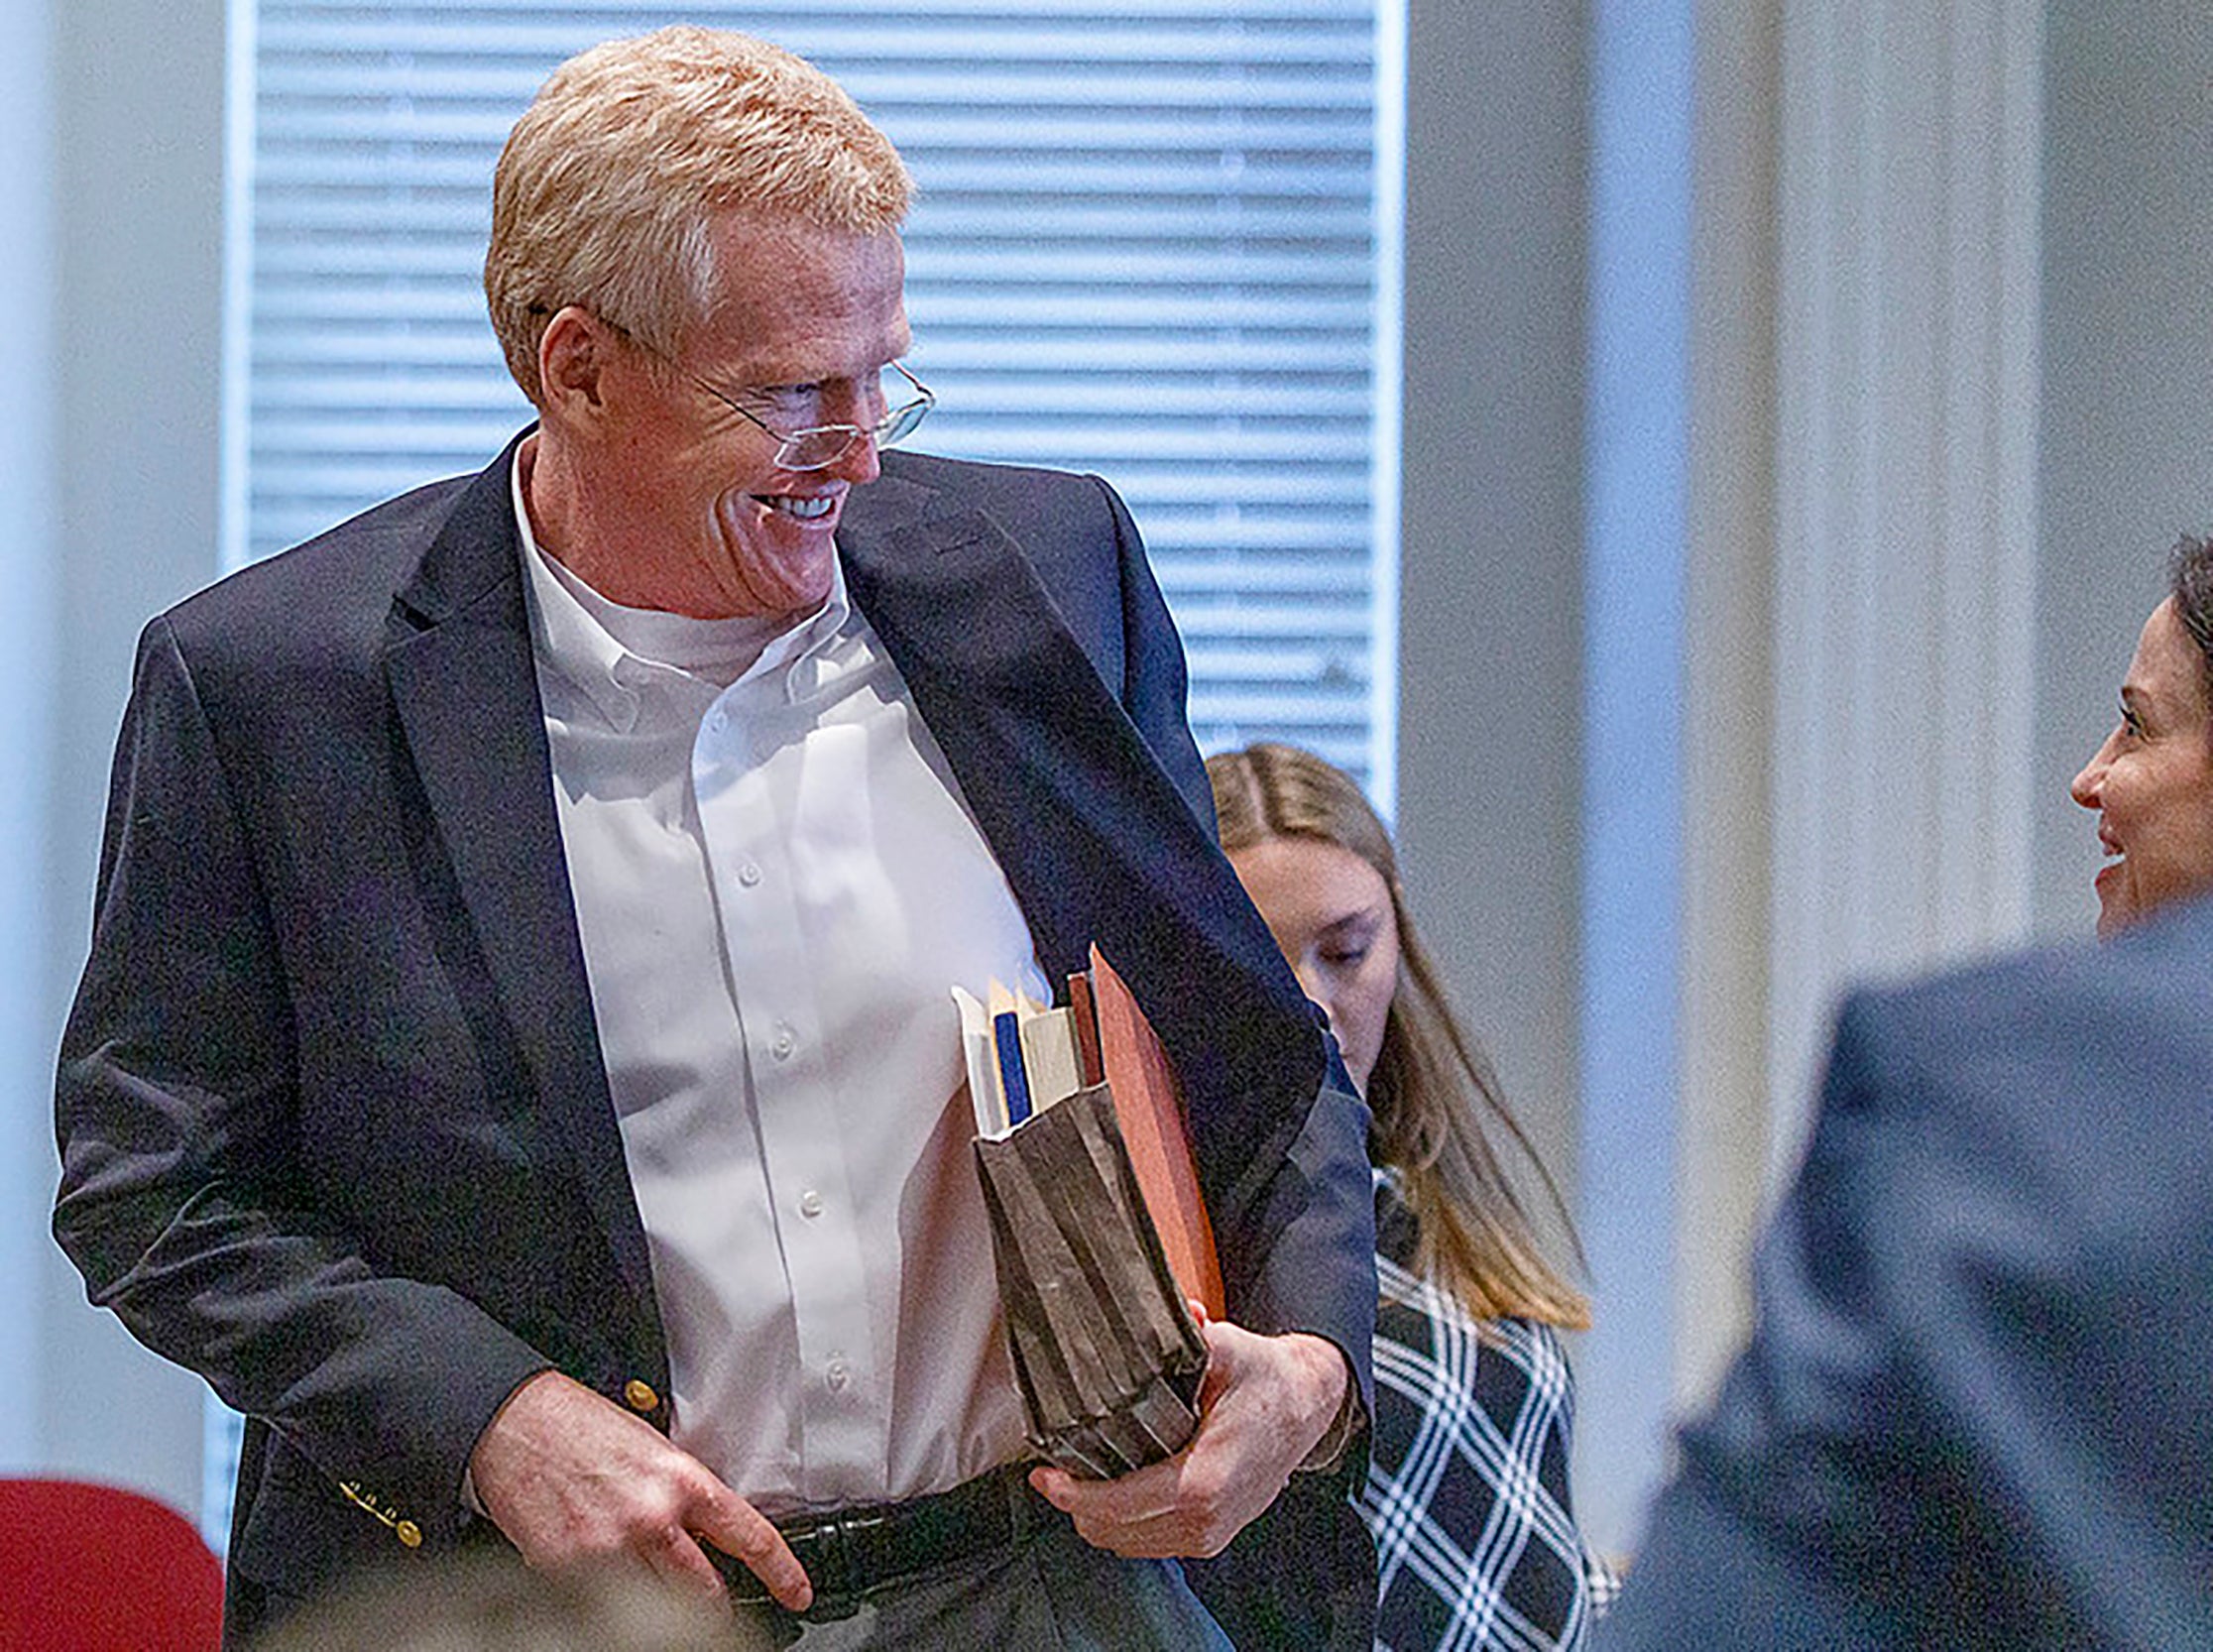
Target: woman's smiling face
{"type": "Point", "coordinates": [2152, 781]}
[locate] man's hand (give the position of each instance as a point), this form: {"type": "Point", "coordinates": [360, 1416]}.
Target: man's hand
{"type": "Point", "coordinates": [1264, 1405]}
{"type": "Point", "coordinates": [574, 1479]}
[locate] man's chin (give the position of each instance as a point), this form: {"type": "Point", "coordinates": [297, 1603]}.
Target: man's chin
{"type": "Point", "coordinates": [785, 593]}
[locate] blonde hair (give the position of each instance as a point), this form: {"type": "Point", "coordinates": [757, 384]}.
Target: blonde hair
{"type": "Point", "coordinates": [1433, 1095]}
{"type": "Point", "coordinates": [608, 185]}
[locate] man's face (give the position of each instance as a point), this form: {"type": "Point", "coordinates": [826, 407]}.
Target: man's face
{"type": "Point", "coordinates": [691, 511]}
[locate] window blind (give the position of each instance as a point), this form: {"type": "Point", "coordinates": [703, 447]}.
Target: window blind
{"type": "Point", "coordinates": [1151, 241]}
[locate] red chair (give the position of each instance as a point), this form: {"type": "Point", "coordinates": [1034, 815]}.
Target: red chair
{"type": "Point", "coordinates": [94, 1569]}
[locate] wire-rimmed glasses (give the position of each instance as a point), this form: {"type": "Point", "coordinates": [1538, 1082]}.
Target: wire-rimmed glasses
{"type": "Point", "coordinates": [819, 446]}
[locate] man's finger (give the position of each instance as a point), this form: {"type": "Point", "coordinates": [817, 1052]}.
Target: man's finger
{"type": "Point", "coordinates": [1163, 1511]}
{"type": "Point", "coordinates": [743, 1532]}
{"type": "Point", "coordinates": [680, 1563]}
{"type": "Point", "coordinates": [1148, 1494]}
{"type": "Point", "coordinates": [1184, 1533]}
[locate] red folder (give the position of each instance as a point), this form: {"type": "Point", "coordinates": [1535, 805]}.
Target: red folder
{"type": "Point", "coordinates": [1150, 1110]}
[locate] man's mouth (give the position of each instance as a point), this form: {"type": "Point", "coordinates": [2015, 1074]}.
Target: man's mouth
{"type": "Point", "coordinates": [803, 507]}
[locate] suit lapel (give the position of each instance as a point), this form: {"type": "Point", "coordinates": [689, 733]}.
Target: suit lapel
{"type": "Point", "coordinates": [917, 561]}
{"type": "Point", "coordinates": [464, 683]}
{"type": "Point", "coordinates": [1095, 840]}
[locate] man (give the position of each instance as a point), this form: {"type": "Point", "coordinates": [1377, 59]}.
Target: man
{"type": "Point", "coordinates": [517, 1064]}
{"type": "Point", "coordinates": [1974, 1410]}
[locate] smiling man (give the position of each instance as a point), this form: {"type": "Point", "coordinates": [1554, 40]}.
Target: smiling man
{"type": "Point", "coordinates": [517, 1065]}
{"type": "Point", "coordinates": [667, 478]}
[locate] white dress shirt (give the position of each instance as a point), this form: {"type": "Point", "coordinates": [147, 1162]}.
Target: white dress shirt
{"type": "Point", "coordinates": [777, 883]}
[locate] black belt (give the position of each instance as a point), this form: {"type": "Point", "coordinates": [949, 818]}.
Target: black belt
{"type": "Point", "coordinates": [854, 1551]}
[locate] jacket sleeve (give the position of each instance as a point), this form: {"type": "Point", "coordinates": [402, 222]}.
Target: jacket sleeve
{"type": "Point", "coordinates": [1313, 1272]}
{"type": "Point", "coordinates": [183, 1201]}
{"type": "Point", "coordinates": [1298, 1233]}
{"type": "Point", "coordinates": [1155, 685]}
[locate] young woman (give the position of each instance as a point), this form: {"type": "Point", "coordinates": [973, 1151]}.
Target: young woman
{"type": "Point", "coordinates": [1467, 1479]}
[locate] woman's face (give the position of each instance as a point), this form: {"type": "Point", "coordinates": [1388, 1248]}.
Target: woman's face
{"type": "Point", "coordinates": [2152, 781]}
{"type": "Point", "coordinates": [1330, 912]}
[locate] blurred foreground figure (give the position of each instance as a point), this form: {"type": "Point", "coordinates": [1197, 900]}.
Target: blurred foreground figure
{"type": "Point", "coordinates": [1975, 1410]}
{"type": "Point", "coordinates": [492, 1603]}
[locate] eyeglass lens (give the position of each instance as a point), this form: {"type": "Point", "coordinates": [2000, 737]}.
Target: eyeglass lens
{"type": "Point", "coordinates": [825, 444]}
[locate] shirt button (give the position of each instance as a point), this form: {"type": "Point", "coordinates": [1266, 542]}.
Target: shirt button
{"type": "Point", "coordinates": [810, 1203]}
{"type": "Point", "coordinates": [837, 1373]}
{"type": "Point", "coordinates": [749, 875]}
{"type": "Point", "coordinates": [783, 1044]}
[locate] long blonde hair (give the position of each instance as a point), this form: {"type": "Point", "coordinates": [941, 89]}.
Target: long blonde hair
{"type": "Point", "coordinates": [1434, 1100]}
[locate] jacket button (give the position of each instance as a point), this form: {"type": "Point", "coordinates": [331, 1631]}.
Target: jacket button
{"type": "Point", "coordinates": [639, 1396]}
{"type": "Point", "coordinates": [408, 1533]}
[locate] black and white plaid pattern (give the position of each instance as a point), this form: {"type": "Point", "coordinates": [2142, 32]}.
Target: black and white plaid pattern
{"type": "Point", "coordinates": [1467, 1484]}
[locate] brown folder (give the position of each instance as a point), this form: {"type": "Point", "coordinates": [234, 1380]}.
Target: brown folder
{"type": "Point", "coordinates": [1149, 1109]}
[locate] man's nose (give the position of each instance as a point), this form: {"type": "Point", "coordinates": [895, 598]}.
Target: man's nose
{"type": "Point", "coordinates": [860, 462]}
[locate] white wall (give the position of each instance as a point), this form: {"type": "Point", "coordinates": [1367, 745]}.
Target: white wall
{"type": "Point", "coordinates": [1491, 623]}
{"type": "Point", "coordinates": [121, 180]}
{"type": "Point", "coordinates": [2126, 452]}
{"type": "Point", "coordinates": [27, 626]}
{"type": "Point", "coordinates": [1489, 738]}
{"type": "Point", "coordinates": [1728, 713]}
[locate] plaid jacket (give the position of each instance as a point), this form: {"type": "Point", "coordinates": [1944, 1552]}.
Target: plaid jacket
{"type": "Point", "coordinates": [1466, 1489]}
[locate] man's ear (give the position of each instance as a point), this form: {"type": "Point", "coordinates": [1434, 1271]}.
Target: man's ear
{"type": "Point", "coordinates": [573, 356]}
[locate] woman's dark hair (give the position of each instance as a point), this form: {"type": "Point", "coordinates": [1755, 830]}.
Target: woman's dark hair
{"type": "Point", "coordinates": [2190, 584]}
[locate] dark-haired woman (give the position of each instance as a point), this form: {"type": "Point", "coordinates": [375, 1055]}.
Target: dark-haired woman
{"type": "Point", "coordinates": [2152, 781]}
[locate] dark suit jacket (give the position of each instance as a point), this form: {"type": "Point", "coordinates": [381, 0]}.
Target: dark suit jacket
{"type": "Point", "coordinates": [1977, 1406]}
{"type": "Point", "coordinates": [334, 1121]}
